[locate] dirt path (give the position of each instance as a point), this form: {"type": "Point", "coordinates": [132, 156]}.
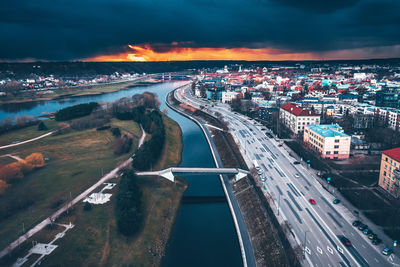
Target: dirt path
{"type": "Point", "coordinates": [27, 141]}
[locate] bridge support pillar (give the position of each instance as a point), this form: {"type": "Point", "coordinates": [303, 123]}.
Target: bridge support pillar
{"type": "Point", "coordinates": [167, 174]}
{"type": "Point", "coordinates": [239, 176]}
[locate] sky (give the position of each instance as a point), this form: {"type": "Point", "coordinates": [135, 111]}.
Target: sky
{"type": "Point", "coordinates": [162, 30]}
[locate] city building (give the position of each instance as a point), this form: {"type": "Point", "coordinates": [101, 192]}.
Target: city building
{"type": "Point", "coordinates": [227, 97]}
{"type": "Point", "coordinates": [295, 118]}
{"type": "Point", "coordinates": [328, 140]}
{"type": "Point", "coordinates": [388, 97]}
{"type": "Point", "coordinates": [389, 174]}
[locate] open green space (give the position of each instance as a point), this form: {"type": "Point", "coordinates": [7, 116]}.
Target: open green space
{"type": "Point", "coordinates": [95, 240]}
{"type": "Point", "coordinates": [26, 133]}
{"type": "Point", "coordinates": [76, 160]}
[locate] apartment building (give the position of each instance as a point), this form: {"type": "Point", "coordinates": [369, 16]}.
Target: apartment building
{"type": "Point", "coordinates": [328, 140]}
{"type": "Point", "coordinates": [390, 116]}
{"type": "Point", "coordinates": [295, 118]}
{"type": "Point", "coordinates": [389, 174]}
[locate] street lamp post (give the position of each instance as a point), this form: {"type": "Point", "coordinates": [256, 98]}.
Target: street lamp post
{"type": "Point", "coordinates": [279, 202]}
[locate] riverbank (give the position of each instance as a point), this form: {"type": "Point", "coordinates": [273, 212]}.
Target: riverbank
{"type": "Point", "coordinates": [95, 240]}
{"type": "Point", "coordinates": [78, 91]}
{"type": "Point", "coordinates": [269, 243]}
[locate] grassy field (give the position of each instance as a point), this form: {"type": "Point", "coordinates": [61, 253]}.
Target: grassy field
{"type": "Point", "coordinates": [95, 241]}
{"type": "Point", "coordinates": [26, 133]}
{"type": "Point", "coordinates": [77, 159]}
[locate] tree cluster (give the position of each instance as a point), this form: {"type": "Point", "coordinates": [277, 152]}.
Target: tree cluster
{"type": "Point", "coordinates": [11, 172]}
{"type": "Point", "coordinates": [148, 154]}
{"type": "Point", "coordinates": [128, 208]}
{"type": "Point", "coordinates": [122, 144]}
{"type": "Point", "coordinates": [20, 122]}
{"type": "Point", "coordinates": [75, 111]}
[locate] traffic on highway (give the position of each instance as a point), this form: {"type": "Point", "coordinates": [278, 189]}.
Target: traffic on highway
{"type": "Point", "coordinates": [328, 232]}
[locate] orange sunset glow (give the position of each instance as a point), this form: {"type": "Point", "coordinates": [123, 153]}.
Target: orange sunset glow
{"type": "Point", "coordinates": [146, 53]}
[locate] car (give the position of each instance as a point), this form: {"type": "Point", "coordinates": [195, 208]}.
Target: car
{"type": "Point", "coordinates": [280, 144]}
{"type": "Point", "coordinates": [387, 251]}
{"type": "Point", "coordinates": [336, 201]}
{"type": "Point", "coordinates": [312, 201]}
{"type": "Point", "coordinates": [376, 241]}
{"type": "Point", "coordinates": [356, 223]}
{"type": "Point", "coordinates": [296, 162]}
{"type": "Point", "coordinates": [367, 231]}
{"type": "Point", "coordinates": [372, 236]}
{"type": "Point", "coordinates": [362, 227]}
{"type": "Point", "coordinates": [296, 175]}
{"type": "Point", "coordinates": [345, 241]}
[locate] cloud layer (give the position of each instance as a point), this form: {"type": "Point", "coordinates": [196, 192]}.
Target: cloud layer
{"type": "Point", "coordinates": [76, 29]}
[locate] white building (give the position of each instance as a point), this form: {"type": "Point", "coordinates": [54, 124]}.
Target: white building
{"type": "Point", "coordinates": [296, 118]}
{"type": "Point", "coordinates": [227, 97]}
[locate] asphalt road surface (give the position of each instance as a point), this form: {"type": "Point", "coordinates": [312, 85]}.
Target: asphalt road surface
{"type": "Point", "coordinates": [291, 186]}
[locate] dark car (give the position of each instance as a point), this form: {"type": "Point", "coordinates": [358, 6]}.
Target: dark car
{"type": "Point", "coordinates": [387, 251]}
{"type": "Point", "coordinates": [336, 201]}
{"type": "Point", "coordinates": [296, 162]}
{"type": "Point", "coordinates": [367, 231]}
{"type": "Point", "coordinates": [376, 241]}
{"type": "Point", "coordinates": [372, 236]}
{"type": "Point", "coordinates": [362, 227]}
{"type": "Point", "coordinates": [356, 223]}
{"type": "Point", "coordinates": [345, 241]}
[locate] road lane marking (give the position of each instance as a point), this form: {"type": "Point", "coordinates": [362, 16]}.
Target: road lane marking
{"type": "Point", "coordinates": [319, 250]}
{"type": "Point", "coordinates": [308, 250]}
{"type": "Point", "coordinates": [329, 249]}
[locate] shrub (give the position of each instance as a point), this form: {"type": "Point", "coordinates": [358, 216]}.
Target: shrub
{"type": "Point", "coordinates": [42, 126]}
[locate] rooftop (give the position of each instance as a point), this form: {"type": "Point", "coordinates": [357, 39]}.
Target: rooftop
{"type": "Point", "coordinates": [393, 153]}
{"type": "Point", "coordinates": [328, 130]}
{"type": "Point", "coordinates": [295, 110]}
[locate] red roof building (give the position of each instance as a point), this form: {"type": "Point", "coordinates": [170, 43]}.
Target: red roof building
{"type": "Point", "coordinates": [393, 153]}
{"type": "Point", "coordinates": [295, 110]}
{"type": "Point", "coordinates": [389, 174]}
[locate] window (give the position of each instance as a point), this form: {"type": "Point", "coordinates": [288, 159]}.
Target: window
{"type": "Point", "coordinates": [337, 146]}
{"type": "Point", "coordinates": [384, 173]}
{"type": "Point", "coordinates": [336, 152]}
{"type": "Point", "coordinates": [386, 159]}
{"type": "Point", "coordinates": [335, 157]}
{"type": "Point", "coordinates": [328, 152]}
{"type": "Point", "coordinates": [336, 140]}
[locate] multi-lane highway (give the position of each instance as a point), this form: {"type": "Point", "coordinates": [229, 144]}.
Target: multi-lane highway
{"type": "Point", "coordinates": [318, 226]}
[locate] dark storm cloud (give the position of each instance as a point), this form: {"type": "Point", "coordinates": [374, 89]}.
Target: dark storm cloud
{"type": "Point", "coordinates": [75, 29]}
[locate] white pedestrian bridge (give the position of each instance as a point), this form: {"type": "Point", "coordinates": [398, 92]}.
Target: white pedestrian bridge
{"type": "Point", "coordinates": [171, 172]}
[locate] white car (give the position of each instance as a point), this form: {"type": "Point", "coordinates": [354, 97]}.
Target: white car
{"type": "Point", "coordinates": [296, 175]}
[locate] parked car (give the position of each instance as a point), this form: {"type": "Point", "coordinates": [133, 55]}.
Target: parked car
{"type": "Point", "coordinates": [367, 231]}
{"type": "Point", "coordinates": [312, 201]}
{"type": "Point", "coordinates": [362, 227]}
{"type": "Point", "coordinates": [296, 162]}
{"type": "Point", "coordinates": [280, 144]}
{"type": "Point", "coordinates": [345, 241]}
{"type": "Point", "coordinates": [376, 241]}
{"type": "Point", "coordinates": [336, 201]}
{"type": "Point", "coordinates": [356, 223]}
{"type": "Point", "coordinates": [387, 251]}
{"type": "Point", "coordinates": [372, 236]}
{"type": "Point", "coordinates": [296, 175]}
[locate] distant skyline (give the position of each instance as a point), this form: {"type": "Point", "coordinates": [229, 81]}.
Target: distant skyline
{"type": "Point", "coordinates": [168, 30]}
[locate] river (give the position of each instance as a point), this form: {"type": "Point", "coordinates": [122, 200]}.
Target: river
{"type": "Point", "coordinates": [203, 234]}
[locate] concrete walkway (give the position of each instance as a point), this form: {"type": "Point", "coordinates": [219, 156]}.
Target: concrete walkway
{"type": "Point", "coordinates": [80, 197]}
{"type": "Point", "coordinates": [27, 141]}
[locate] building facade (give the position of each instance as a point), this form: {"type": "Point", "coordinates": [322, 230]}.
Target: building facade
{"type": "Point", "coordinates": [328, 140]}
{"type": "Point", "coordinates": [389, 174]}
{"type": "Point", "coordinates": [295, 118]}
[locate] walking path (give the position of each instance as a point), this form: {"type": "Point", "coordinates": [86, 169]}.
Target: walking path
{"type": "Point", "coordinates": [55, 215]}
{"type": "Point", "coordinates": [27, 141]}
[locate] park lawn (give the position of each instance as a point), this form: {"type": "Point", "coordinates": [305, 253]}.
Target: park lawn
{"type": "Point", "coordinates": [77, 159]}
{"type": "Point", "coordinates": [127, 126]}
{"type": "Point", "coordinates": [95, 240]}
{"type": "Point", "coordinates": [26, 133]}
